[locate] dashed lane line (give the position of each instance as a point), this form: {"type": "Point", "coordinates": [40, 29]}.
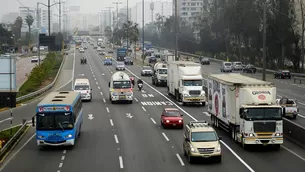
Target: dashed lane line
{"type": "Point", "coordinates": [111, 122]}
{"type": "Point", "coordinates": [107, 109]}
{"type": "Point", "coordinates": [144, 108]}
{"type": "Point", "coordinates": [164, 135]}
{"type": "Point", "coordinates": [153, 120]}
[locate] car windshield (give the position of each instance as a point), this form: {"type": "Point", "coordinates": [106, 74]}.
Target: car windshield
{"type": "Point", "coordinates": [128, 58]}
{"type": "Point", "coordinates": [54, 121]}
{"type": "Point", "coordinates": [121, 84]}
{"type": "Point", "coordinates": [152, 57]}
{"type": "Point", "coordinates": [228, 64]}
{"type": "Point", "coordinates": [263, 114]}
{"type": "Point", "coordinates": [81, 87]}
{"type": "Point", "coordinates": [205, 59]}
{"type": "Point", "coordinates": [238, 63]}
{"type": "Point", "coordinates": [162, 71]}
{"type": "Point", "coordinates": [192, 82]}
{"type": "Point", "coordinates": [204, 136]}
{"type": "Point", "coordinates": [172, 113]}
{"type": "Point", "coordinates": [146, 68]}
{"type": "Point", "coordinates": [120, 64]}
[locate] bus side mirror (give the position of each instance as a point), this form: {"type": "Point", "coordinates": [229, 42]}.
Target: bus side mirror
{"type": "Point", "coordinates": [108, 84]}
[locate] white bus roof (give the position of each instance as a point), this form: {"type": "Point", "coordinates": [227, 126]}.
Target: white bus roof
{"type": "Point", "coordinates": [59, 98]}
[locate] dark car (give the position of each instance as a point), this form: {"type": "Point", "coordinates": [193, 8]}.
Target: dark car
{"type": "Point", "coordinates": [152, 59]}
{"type": "Point", "coordinates": [129, 50]}
{"type": "Point", "coordinates": [85, 48]}
{"type": "Point", "coordinates": [110, 51]}
{"type": "Point", "coordinates": [282, 74]}
{"type": "Point", "coordinates": [128, 61]}
{"type": "Point", "coordinates": [146, 71]}
{"type": "Point", "coordinates": [249, 69]}
{"type": "Point", "coordinates": [157, 55]}
{"type": "Point", "coordinates": [205, 61]}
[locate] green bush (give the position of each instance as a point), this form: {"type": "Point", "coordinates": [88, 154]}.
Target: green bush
{"type": "Point", "coordinates": [6, 134]}
{"type": "Point", "coordinates": [41, 74]}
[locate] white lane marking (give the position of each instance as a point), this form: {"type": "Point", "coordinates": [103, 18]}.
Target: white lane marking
{"type": "Point", "coordinates": [121, 162]}
{"type": "Point", "coordinates": [206, 113]}
{"type": "Point", "coordinates": [107, 109]}
{"type": "Point", "coordinates": [63, 158]}
{"type": "Point", "coordinates": [297, 155]}
{"type": "Point", "coordinates": [144, 108]}
{"type": "Point", "coordinates": [93, 76]}
{"type": "Point", "coordinates": [166, 138]}
{"type": "Point", "coordinates": [180, 159]}
{"type": "Point", "coordinates": [153, 120]}
{"type": "Point", "coordinates": [73, 69]}
{"type": "Point", "coordinates": [7, 119]}
{"type": "Point", "coordinates": [65, 85]}
{"type": "Point", "coordinates": [101, 93]}
{"type": "Point", "coordinates": [136, 99]}
{"type": "Point", "coordinates": [96, 83]}
{"type": "Point", "coordinates": [95, 79]}
{"type": "Point", "coordinates": [233, 152]}
{"type": "Point", "coordinates": [13, 156]}
{"type": "Point", "coordinates": [58, 170]}
{"type": "Point", "coordinates": [104, 100]}
{"type": "Point", "coordinates": [111, 122]}
{"type": "Point", "coordinates": [301, 103]}
{"type": "Point", "coordinates": [60, 165]}
{"type": "Point", "coordinates": [65, 151]}
{"type": "Point", "coordinates": [98, 87]}
{"type": "Point", "coordinates": [301, 116]}
{"type": "Point", "coordinates": [116, 139]}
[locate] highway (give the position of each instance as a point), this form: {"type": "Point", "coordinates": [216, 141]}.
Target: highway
{"type": "Point", "coordinates": [128, 137]}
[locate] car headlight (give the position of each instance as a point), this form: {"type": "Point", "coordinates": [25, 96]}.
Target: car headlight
{"type": "Point", "coordinates": [185, 95]}
{"type": "Point", "coordinates": [251, 135]}
{"type": "Point", "coordinates": [180, 121]}
{"type": "Point", "coordinates": [69, 136]}
{"type": "Point", "coordinates": [41, 137]}
{"type": "Point", "coordinates": [167, 121]}
{"type": "Point", "coordinates": [193, 149]}
{"type": "Point", "coordinates": [278, 134]}
{"type": "Point", "coordinates": [218, 148]}
{"type": "Point", "coordinates": [114, 94]}
{"type": "Point", "coordinates": [202, 93]}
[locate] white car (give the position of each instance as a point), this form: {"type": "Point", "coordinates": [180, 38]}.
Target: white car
{"type": "Point", "coordinates": [34, 59]}
{"type": "Point", "coordinates": [99, 49]}
{"type": "Point", "coordinates": [81, 50]}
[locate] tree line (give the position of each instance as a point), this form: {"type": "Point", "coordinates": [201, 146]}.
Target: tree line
{"type": "Point", "coordinates": [234, 29]}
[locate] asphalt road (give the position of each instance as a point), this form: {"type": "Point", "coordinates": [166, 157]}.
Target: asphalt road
{"type": "Point", "coordinates": [128, 137]}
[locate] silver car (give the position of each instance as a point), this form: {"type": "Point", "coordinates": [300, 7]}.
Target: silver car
{"type": "Point", "coordinates": [237, 66]}
{"type": "Point", "coordinates": [226, 67]}
{"type": "Point", "coordinates": [120, 66]}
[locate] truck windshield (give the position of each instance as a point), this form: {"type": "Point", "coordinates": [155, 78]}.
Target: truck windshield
{"type": "Point", "coordinates": [263, 113]}
{"type": "Point", "coordinates": [54, 121]}
{"type": "Point", "coordinates": [81, 87]}
{"type": "Point", "coordinates": [121, 84]}
{"type": "Point", "coordinates": [162, 71]}
{"type": "Point", "coordinates": [192, 82]}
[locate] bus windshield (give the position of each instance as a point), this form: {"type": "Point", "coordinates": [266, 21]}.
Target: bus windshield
{"type": "Point", "coordinates": [162, 71]}
{"type": "Point", "coordinates": [121, 84]}
{"type": "Point", "coordinates": [54, 121]}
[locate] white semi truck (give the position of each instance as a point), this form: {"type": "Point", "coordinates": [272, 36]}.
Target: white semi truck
{"type": "Point", "coordinates": [245, 107]}
{"type": "Point", "coordinates": [159, 76]}
{"type": "Point", "coordinates": [185, 82]}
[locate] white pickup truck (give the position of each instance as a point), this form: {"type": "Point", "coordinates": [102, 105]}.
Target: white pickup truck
{"type": "Point", "coordinates": [290, 108]}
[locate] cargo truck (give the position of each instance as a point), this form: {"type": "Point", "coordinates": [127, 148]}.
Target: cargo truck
{"type": "Point", "coordinates": [159, 76]}
{"type": "Point", "coordinates": [185, 82]}
{"type": "Point", "coordinates": [246, 108]}
{"type": "Point", "coordinates": [121, 54]}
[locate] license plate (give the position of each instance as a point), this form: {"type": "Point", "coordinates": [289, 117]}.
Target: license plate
{"type": "Point", "coordinates": [174, 124]}
{"type": "Point", "coordinates": [122, 97]}
{"type": "Point", "coordinates": [206, 156]}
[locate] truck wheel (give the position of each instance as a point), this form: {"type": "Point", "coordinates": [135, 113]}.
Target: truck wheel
{"type": "Point", "coordinates": [203, 103]}
{"type": "Point", "coordinates": [153, 83]}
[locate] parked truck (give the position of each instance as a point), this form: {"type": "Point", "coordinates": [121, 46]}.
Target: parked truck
{"type": "Point", "coordinates": [185, 82]}
{"type": "Point", "coordinates": [159, 76]}
{"type": "Point", "coordinates": [245, 107]}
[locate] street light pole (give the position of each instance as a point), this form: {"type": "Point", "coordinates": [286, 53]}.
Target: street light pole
{"type": "Point", "coordinates": [49, 17]}
{"type": "Point", "coordinates": [264, 40]}
{"type": "Point", "coordinates": [176, 31]}
{"type": "Point", "coordinates": [127, 25]}
{"type": "Point", "coordinates": [143, 46]}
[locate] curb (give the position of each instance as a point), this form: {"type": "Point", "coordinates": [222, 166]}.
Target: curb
{"type": "Point", "coordinates": [15, 144]}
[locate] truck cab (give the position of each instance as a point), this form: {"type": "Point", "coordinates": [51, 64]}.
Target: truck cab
{"type": "Point", "coordinates": [159, 74]}
{"type": "Point", "coordinates": [120, 88]}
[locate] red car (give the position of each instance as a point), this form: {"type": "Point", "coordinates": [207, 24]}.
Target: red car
{"type": "Point", "coordinates": [171, 117]}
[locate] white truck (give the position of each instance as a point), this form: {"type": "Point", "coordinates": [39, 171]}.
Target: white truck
{"type": "Point", "coordinates": [99, 41]}
{"type": "Point", "coordinates": [185, 82]}
{"type": "Point", "coordinates": [159, 76]}
{"type": "Point", "coordinates": [245, 107]}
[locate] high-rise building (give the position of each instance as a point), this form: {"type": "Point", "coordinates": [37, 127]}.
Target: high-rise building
{"type": "Point", "coordinates": [136, 13]}
{"type": "Point", "coordinates": [189, 10]}
{"type": "Point", "coordinates": [9, 17]}
{"type": "Point", "coordinates": [23, 12]}
{"type": "Point", "coordinates": [105, 19]}
{"type": "Point", "coordinates": [74, 18]}
{"type": "Point", "coordinates": [43, 22]}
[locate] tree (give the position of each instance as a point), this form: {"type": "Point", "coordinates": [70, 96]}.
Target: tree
{"type": "Point", "coordinates": [108, 33]}
{"type": "Point", "coordinates": [302, 31]}
{"type": "Point", "coordinates": [29, 21]}
{"type": "Point", "coordinates": [6, 36]}
{"type": "Point", "coordinates": [17, 28]}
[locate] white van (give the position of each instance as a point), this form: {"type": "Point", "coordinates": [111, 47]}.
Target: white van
{"type": "Point", "coordinates": [120, 88]}
{"type": "Point", "coordinates": [83, 86]}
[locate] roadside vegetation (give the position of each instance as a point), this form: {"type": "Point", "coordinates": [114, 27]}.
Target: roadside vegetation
{"type": "Point", "coordinates": [42, 75]}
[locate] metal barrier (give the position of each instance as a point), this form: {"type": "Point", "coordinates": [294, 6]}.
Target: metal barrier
{"type": "Point", "coordinates": [294, 132]}
{"type": "Point", "coordinates": [220, 61]}
{"type": "Point", "coordinates": [42, 90]}
{"type": "Point", "coordinates": [298, 78]}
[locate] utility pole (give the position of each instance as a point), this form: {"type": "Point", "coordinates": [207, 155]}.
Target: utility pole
{"type": "Point", "coordinates": [59, 16]}
{"type": "Point", "coordinates": [109, 9]}
{"type": "Point", "coordinates": [49, 17]}
{"type": "Point", "coordinates": [117, 12]}
{"type": "Point", "coordinates": [105, 20]}
{"type": "Point", "coordinates": [127, 25]}
{"type": "Point", "coordinates": [152, 7]}
{"type": "Point", "coordinates": [264, 40]}
{"type": "Point", "coordinates": [143, 46]}
{"type": "Point", "coordinates": [176, 31]}
{"type": "Point", "coordinates": [38, 17]}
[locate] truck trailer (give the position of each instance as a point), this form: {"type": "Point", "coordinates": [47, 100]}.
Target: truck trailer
{"type": "Point", "coordinates": [185, 82]}
{"type": "Point", "coordinates": [246, 108]}
{"type": "Point", "coordinates": [159, 76]}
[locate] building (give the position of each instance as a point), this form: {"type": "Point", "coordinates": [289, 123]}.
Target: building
{"type": "Point", "coordinates": [9, 17]}
{"type": "Point", "coordinates": [23, 12]}
{"type": "Point", "coordinates": [74, 18]}
{"type": "Point", "coordinates": [151, 11]}
{"type": "Point", "coordinates": [43, 22]}
{"type": "Point", "coordinates": [105, 19]}
{"type": "Point", "coordinates": [189, 10]}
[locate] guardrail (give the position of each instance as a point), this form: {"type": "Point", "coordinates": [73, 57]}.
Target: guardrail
{"type": "Point", "coordinates": [13, 139]}
{"type": "Point", "coordinates": [42, 90]}
{"type": "Point", "coordinates": [220, 61]}
{"type": "Point", "coordinates": [298, 78]}
{"type": "Point", "coordinates": [294, 132]}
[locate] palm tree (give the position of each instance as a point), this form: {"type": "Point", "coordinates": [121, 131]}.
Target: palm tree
{"type": "Point", "coordinates": [17, 28]}
{"type": "Point", "coordinates": [29, 20]}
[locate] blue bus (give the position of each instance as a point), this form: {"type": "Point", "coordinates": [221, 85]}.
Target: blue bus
{"type": "Point", "coordinates": [59, 117]}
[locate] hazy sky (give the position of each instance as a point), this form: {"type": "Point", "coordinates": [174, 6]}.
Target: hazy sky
{"type": "Point", "coordinates": [87, 6]}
